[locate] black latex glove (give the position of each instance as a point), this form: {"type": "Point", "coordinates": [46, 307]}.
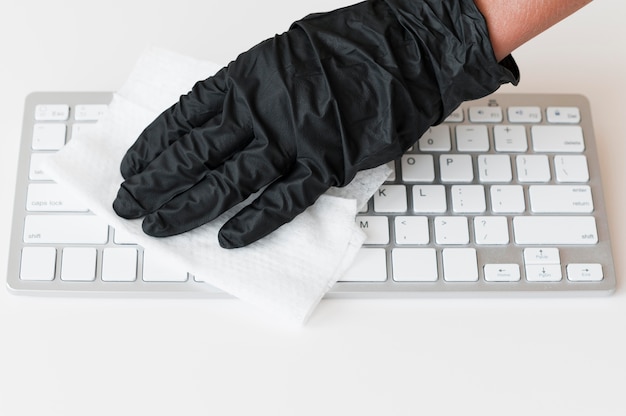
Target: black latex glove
{"type": "Point", "coordinates": [337, 93]}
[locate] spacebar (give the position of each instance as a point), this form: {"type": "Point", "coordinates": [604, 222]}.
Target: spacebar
{"type": "Point", "coordinates": [555, 230]}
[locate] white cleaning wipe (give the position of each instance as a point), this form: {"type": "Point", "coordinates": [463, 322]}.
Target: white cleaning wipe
{"type": "Point", "coordinates": [285, 273]}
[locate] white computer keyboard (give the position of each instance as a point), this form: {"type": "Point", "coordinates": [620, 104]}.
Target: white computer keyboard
{"type": "Point", "coordinates": [504, 197]}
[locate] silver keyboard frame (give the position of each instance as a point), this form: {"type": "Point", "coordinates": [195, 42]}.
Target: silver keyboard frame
{"type": "Point", "coordinates": [512, 253]}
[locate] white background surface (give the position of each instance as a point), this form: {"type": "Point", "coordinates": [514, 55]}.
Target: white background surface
{"type": "Point", "coordinates": [355, 357]}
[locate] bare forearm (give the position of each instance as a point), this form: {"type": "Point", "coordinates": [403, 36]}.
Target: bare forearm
{"type": "Point", "coordinates": [513, 22]}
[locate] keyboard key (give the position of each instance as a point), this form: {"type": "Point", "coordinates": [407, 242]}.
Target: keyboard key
{"type": "Point", "coordinates": [418, 168]}
{"type": "Point", "coordinates": [543, 273]}
{"type": "Point", "coordinates": [52, 198]}
{"type": "Point", "coordinates": [411, 230]}
{"type": "Point", "coordinates": [119, 264]}
{"type": "Point", "coordinates": [507, 199]}
{"type": "Point", "coordinates": [491, 230]}
{"type": "Point", "coordinates": [157, 269]}
{"type": "Point", "coordinates": [485, 114]}
{"type": "Point", "coordinates": [50, 136]}
{"type": "Point", "coordinates": [584, 272]}
{"type": "Point", "coordinates": [468, 199]}
{"type": "Point", "coordinates": [52, 112]}
{"type": "Point", "coordinates": [90, 112]}
{"type": "Point", "coordinates": [456, 168]}
{"type": "Point", "coordinates": [78, 264]}
{"type": "Point", "coordinates": [472, 138]}
{"type": "Point", "coordinates": [569, 115]}
{"type": "Point", "coordinates": [542, 255]}
{"type": "Point", "coordinates": [460, 265]}
{"type": "Point", "coordinates": [555, 230]}
{"type": "Point", "coordinates": [494, 168]}
{"type": "Point", "coordinates": [390, 198]}
{"type": "Point", "coordinates": [65, 229]}
{"type": "Point", "coordinates": [436, 139]}
{"type": "Point", "coordinates": [571, 168]}
{"type": "Point", "coordinates": [557, 139]}
{"type": "Point", "coordinates": [455, 117]}
{"type": "Point", "coordinates": [533, 168]}
{"type": "Point", "coordinates": [451, 230]}
{"type": "Point", "coordinates": [414, 265]}
{"type": "Point", "coordinates": [370, 265]}
{"type": "Point", "coordinates": [502, 272]}
{"type": "Point", "coordinates": [35, 171]}
{"type": "Point", "coordinates": [38, 263]}
{"type": "Point", "coordinates": [376, 228]}
{"type": "Point", "coordinates": [560, 198]}
{"type": "Point", "coordinates": [510, 138]}
{"type": "Point", "coordinates": [429, 199]}
{"type": "Point", "coordinates": [524, 114]}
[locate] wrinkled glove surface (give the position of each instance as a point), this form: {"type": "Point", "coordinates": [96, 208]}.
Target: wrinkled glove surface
{"type": "Point", "coordinates": [337, 93]}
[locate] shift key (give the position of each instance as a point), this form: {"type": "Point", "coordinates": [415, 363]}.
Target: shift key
{"type": "Point", "coordinates": [65, 229]}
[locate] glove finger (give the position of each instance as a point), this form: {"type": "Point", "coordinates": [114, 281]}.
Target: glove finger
{"type": "Point", "coordinates": [281, 202]}
{"type": "Point", "coordinates": [222, 189]}
{"type": "Point", "coordinates": [203, 102]}
{"type": "Point", "coordinates": [182, 165]}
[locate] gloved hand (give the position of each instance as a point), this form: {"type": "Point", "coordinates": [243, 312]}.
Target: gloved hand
{"type": "Point", "coordinates": [337, 93]}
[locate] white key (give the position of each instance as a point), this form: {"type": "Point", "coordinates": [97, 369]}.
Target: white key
{"type": "Point", "coordinates": [52, 198]}
{"type": "Point", "coordinates": [533, 168]}
{"type": "Point", "coordinates": [158, 269]}
{"type": "Point", "coordinates": [414, 264]}
{"type": "Point", "coordinates": [65, 229]}
{"type": "Point", "coordinates": [429, 198]}
{"type": "Point", "coordinates": [510, 138]}
{"type": "Point", "coordinates": [571, 168]}
{"type": "Point", "coordinates": [390, 198]}
{"type": "Point", "coordinates": [560, 198]}
{"type": "Point", "coordinates": [507, 199]}
{"type": "Point", "coordinates": [491, 230]}
{"type": "Point", "coordinates": [436, 139]}
{"type": "Point", "coordinates": [36, 173]}
{"type": "Point", "coordinates": [485, 114]}
{"type": "Point", "coordinates": [584, 272]}
{"type": "Point", "coordinates": [38, 263]}
{"type": "Point", "coordinates": [48, 136]}
{"type": "Point", "coordinates": [122, 237]}
{"type": "Point", "coordinates": [555, 230]}
{"type": "Point", "coordinates": [468, 198]}
{"type": "Point", "coordinates": [78, 264]}
{"type": "Point", "coordinates": [494, 168]}
{"type": "Point", "coordinates": [561, 139]}
{"type": "Point", "coordinates": [90, 112]}
{"type": "Point", "coordinates": [418, 168]}
{"type": "Point", "coordinates": [508, 272]}
{"type": "Point", "coordinates": [455, 117]}
{"type": "Point", "coordinates": [563, 115]}
{"type": "Point", "coordinates": [524, 114]}
{"type": "Point", "coordinates": [472, 138]}
{"type": "Point", "coordinates": [119, 264]}
{"type": "Point", "coordinates": [411, 230]}
{"type": "Point", "coordinates": [543, 273]}
{"type": "Point", "coordinates": [376, 228]}
{"type": "Point", "coordinates": [52, 112]}
{"type": "Point", "coordinates": [460, 265]}
{"type": "Point", "coordinates": [542, 255]}
{"type": "Point", "coordinates": [451, 230]}
{"type": "Point", "coordinates": [456, 168]}
{"type": "Point", "coordinates": [82, 130]}
{"type": "Point", "coordinates": [370, 265]}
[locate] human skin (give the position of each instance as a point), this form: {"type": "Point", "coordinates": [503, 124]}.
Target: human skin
{"type": "Point", "coordinates": [511, 23]}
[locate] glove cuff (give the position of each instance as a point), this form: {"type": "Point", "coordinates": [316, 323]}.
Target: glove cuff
{"type": "Point", "coordinates": [451, 37]}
